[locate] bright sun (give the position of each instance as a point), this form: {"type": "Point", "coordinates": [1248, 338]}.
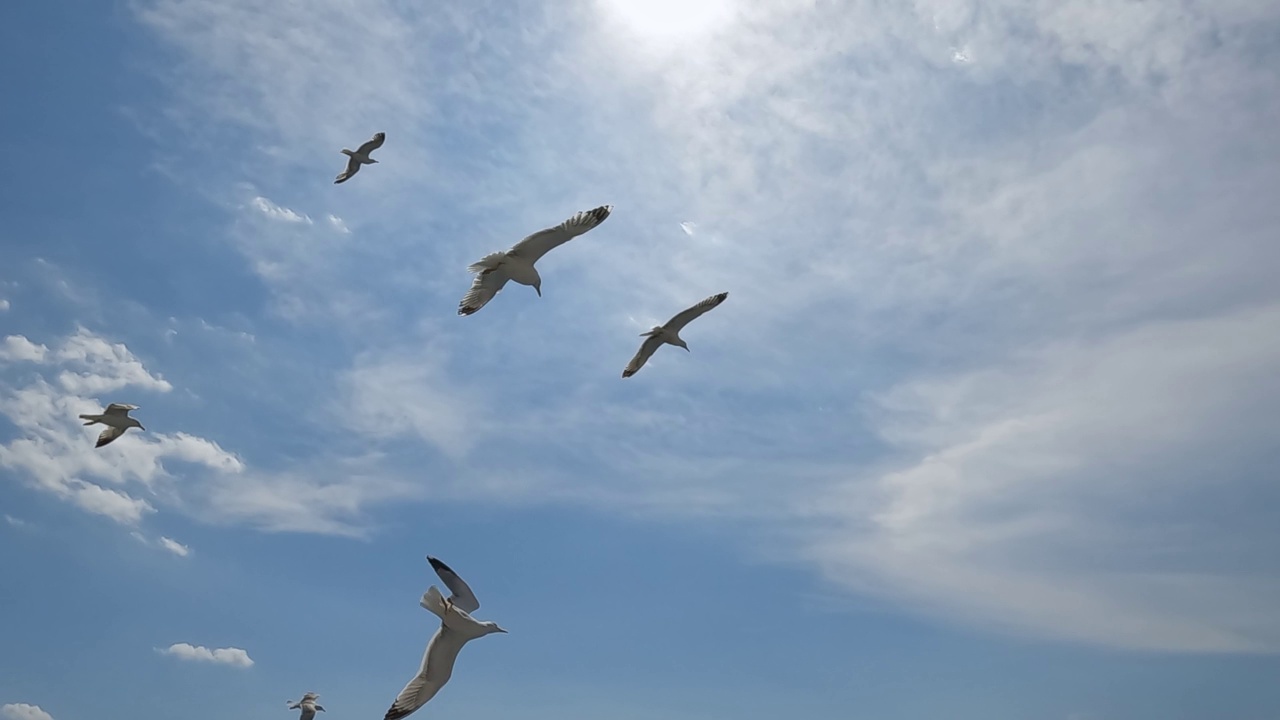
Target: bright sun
{"type": "Point", "coordinates": [670, 19]}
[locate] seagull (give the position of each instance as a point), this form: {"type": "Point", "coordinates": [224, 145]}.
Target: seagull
{"type": "Point", "coordinates": [456, 628]}
{"type": "Point", "coordinates": [308, 705]}
{"type": "Point", "coordinates": [669, 333]}
{"type": "Point", "coordinates": [360, 157]}
{"type": "Point", "coordinates": [116, 418]}
{"type": "Point", "coordinates": [495, 269]}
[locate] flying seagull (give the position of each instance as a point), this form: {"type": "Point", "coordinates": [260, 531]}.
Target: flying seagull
{"type": "Point", "coordinates": [669, 333]}
{"type": "Point", "coordinates": [456, 628]}
{"type": "Point", "coordinates": [360, 157]}
{"type": "Point", "coordinates": [308, 705]}
{"type": "Point", "coordinates": [116, 418]}
{"type": "Point", "coordinates": [495, 269]}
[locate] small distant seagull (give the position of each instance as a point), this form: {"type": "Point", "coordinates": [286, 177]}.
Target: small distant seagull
{"type": "Point", "coordinates": [308, 705]}
{"type": "Point", "coordinates": [495, 269]}
{"type": "Point", "coordinates": [669, 333]}
{"type": "Point", "coordinates": [456, 628]}
{"type": "Point", "coordinates": [360, 157]}
{"type": "Point", "coordinates": [116, 418]}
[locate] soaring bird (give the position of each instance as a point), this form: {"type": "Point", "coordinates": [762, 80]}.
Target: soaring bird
{"type": "Point", "coordinates": [360, 157]}
{"type": "Point", "coordinates": [308, 705]}
{"type": "Point", "coordinates": [669, 333]}
{"type": "Point", "coordinates": [116, 418]}
{"type": "Point", "coordinates": [495, 269]}
{"type": "Point", "coordinates": [457, 627]}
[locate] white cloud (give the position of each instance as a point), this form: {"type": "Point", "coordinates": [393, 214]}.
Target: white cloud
{"type": "Point", "coordinates": [338, 224]}
{"type": "Point", "coordinates": [17, 348]}
{"type": "Point", "coordinates": [4, 305]}
{"type": "Point", "coordinates": [911, 197]}
{"type": "Point", "coordinates": [23, 711]}
{"type": "Point", "coordinates": [15, 522]}
{"type": "Point", "coordinates": [174, 546]}
{"type": "Point", "coordinates": [224, 656]}
{"type": "Point", "coordinates": [278, 212]}
{"type": "Point", "coordinates": [1074, 493]}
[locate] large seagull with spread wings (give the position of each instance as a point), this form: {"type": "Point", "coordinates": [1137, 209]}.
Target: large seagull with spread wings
{"type": "Point", "coordinates": [495, 269]}
{"type": "Point", "coordinates": [457, 628]}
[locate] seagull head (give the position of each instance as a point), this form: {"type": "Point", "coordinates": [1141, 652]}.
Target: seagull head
{"type": "Point", "coordinates": [492, 627]}
{"type": "Point", "coordinates": [136, 424]}
{"type": "Point", "coordinates": [683, 344]}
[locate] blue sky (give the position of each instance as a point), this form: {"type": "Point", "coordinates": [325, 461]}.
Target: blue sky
{"type": "Point", "coordinates": [986, 428]}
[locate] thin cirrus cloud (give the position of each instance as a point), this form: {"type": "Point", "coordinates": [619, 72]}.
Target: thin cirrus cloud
{"type": "Point", "coordinates": [232, 656]}
{"type": "Point", "coordinates": [990, 241]}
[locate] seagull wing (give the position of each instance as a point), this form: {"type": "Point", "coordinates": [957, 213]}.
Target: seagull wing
{"type": "Point", "coordinates": [437, 666]}
{"type": "Point", "coordinates": [460, 593]}
{"type": "Point", "coordinates": [544, 241]}
{"type": "Point", "coordinates": [373, 143]}
{"type": "Point", "coordinates": [684, 317]}
{"type": "Point", "coordinates": [647, 348]}
{"type": "Point", "coordinates": [119, 409]}
{"type": "Point", "coordinates": [111, 433]}
{"type": "Point", "coordinates": [483, 288]}
{"type": "Point", "coordinates": [353, 167]}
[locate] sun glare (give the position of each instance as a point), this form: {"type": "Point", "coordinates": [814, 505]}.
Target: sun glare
{"type": "Point", "coordinates": [670, 19]}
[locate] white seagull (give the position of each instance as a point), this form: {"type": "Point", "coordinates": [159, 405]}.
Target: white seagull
{"type": "Point", "coordinates": [669, 333]}
{"type": "Point", "coordinates": [308, 705]}
{"type": "Point", "coordinates": [116, 418]}
{"type": "Point", "coordinates": [360, 157]}
{"type": "Point", "coordinates": [456, 629]}
{"type": "Point", "coordinates": [495, 269]}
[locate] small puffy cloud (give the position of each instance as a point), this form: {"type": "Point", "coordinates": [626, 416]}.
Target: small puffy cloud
{"type": "Point", "coordinates": [174, 546]}
{"type": "Point", "coordinates": [23, 711]}
{"type": "Point", "coordinates": [688, 228]}
{"type": "Point", "coordinates": [338, 224]}
{"type": "Point", "coordinates": [4, 305]}
{"type": "Point", "coordinates": [225, 656]}
{"type": "Point", "coordinates": [278, 212]}
{"type": "Point", "coordinates": [17, 348]}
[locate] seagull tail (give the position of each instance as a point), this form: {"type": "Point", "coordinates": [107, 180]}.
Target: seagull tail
{"type": "Point", "coordinates": [488, 262]}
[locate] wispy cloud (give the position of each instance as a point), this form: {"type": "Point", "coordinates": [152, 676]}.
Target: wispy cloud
{"type": "Point", "coordinates": [969, 254]}
{"type": "Point", "coordinates": [234, 657]}
{"type": "Point", "coordinates": [174, 546]}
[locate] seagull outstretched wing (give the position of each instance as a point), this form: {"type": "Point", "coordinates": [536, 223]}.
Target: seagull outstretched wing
{"type": "Point", "coordinates": [544, 241]}
{"type": "Point", "coordinates": [373, 143]}
{"type": "Point", "coordinates": [111, 433]}
{"type": "Point", "coordinates": [460, 593]}
{"type": "Point", "coordinates": [647, 349]}
{"type": "Point", "coordinates": [684, 317]}
{"type": "Point", "coordinates": [484, 287]}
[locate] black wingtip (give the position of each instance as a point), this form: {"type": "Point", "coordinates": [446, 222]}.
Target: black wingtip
{"type": "Point", "coordinates": [438, 566]}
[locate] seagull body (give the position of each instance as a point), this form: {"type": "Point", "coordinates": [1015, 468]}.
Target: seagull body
{"type": "Point", "coordinates": [360, 157]}
{"type": "Point", "coordinates": [495, 269]}
{"type": "Point", "coordinates": [457, 628]}
{"type": "Point", "coordinates": [308, 706]}
{"type": "Point", "coordinates": [116, 418]}
{"type": "Point", "coordinates": [669, 334]}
